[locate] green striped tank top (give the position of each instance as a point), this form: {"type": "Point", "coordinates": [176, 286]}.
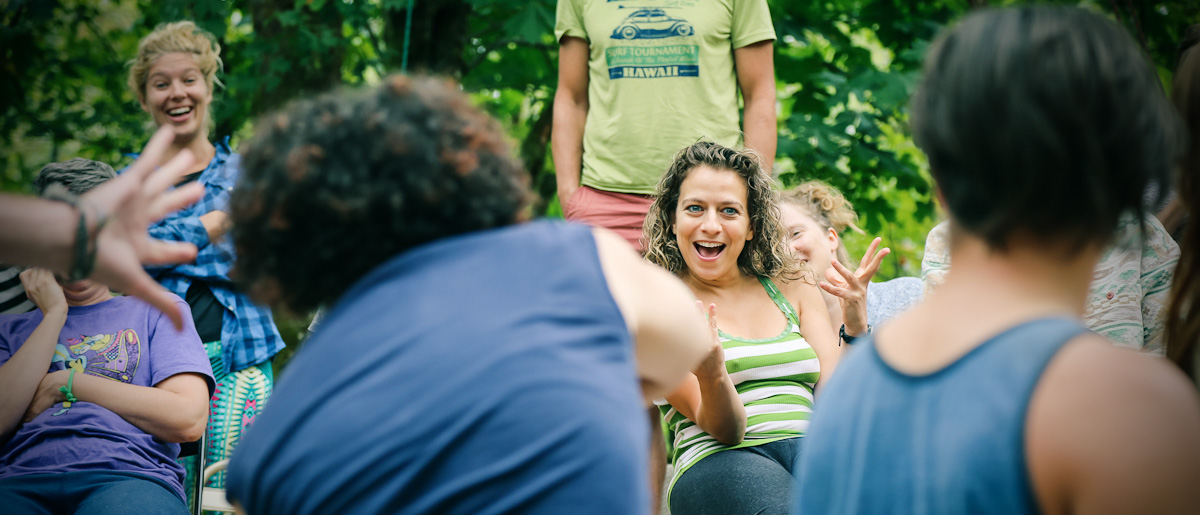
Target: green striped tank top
{"type": "Point", "coordinates": [774, 378]}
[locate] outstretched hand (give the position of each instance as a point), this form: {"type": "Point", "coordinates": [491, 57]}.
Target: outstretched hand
{"type": "Point", "coordinates": [713, 365]}
{"type": "Point", "coordinates": [851, 287]}
{"type": "Point", "coordinates": [134, 200]}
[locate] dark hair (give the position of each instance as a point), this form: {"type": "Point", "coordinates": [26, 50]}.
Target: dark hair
{"type": "Point", "coordinates": [1183, 313]}
{"type": "Point", "coordinates": [766, 254]}
{"type": "Point", "coordinates": [1042, 120]}
{"type": "Point", "coordinates": [333, 186]}
{"type": "Point", "coordinates": [78, 175]}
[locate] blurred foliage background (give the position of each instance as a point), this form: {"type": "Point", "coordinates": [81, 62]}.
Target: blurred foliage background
{"type": "Point", "coordinates": [844, 70]}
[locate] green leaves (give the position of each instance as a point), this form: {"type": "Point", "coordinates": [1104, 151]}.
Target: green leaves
{"type": "Point", "coordinates": [845, 70]}
{"type": "Point", "coordinates": [531, 22]}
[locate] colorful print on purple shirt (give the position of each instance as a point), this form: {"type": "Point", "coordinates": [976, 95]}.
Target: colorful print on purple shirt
{"type": "Point", "coordinates": [121, 339]}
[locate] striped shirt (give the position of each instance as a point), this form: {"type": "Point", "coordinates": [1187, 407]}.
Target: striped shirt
{"type": "Point", "coordinates": [12, 292]}
{"type": "Point", "coordinates": [774, 379]}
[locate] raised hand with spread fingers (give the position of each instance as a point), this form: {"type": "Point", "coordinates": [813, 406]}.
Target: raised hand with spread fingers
{"type": "Point", "coordinates": [851, 287]}
{"type": "Point", "coordinates": [40, 232]}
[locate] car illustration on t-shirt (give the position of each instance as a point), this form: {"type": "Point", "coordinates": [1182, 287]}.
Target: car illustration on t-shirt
{"type": "Point", "coordinates": [651, 24]}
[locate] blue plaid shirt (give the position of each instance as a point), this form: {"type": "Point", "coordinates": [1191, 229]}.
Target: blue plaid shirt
{"type": "Point", "coordinates": [248, 333]}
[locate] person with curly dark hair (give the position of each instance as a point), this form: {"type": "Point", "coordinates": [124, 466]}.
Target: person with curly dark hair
{"type": "Point", "coordinates": [735, 424]}
{"type": "Point", "coordinates": [468, 362]}
{"type": "Point", "coordinates": [1043, 126]}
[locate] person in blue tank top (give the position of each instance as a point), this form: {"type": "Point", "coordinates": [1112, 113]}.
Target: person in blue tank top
{"type": "Point", "coordinates": [734, 426]}
{"type": "Point", "coordinates": [1043, 126]}
{"type": "Point", "coordinates": [467, 362]}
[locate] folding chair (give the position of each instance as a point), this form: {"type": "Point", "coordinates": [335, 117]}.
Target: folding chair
{"type": "Point", "coordinates": [196, 449]}
{"type": "Point", "coordinates": [205, 498]}
{"type": "Point", "coordinates": [210, 498]}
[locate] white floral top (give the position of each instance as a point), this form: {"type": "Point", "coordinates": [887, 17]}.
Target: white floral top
{"type": "Point", "coordinates": [1129, 290]}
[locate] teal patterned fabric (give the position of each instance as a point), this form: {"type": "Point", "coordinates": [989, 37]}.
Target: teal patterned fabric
{"type": "Point", "coordinates": [238, 398]}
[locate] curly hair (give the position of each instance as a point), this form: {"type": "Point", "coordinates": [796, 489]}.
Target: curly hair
{"type": "Point", "coordinates": [335, 185]}
{"type": "Point", "coordinates": [181, 36]}
{"type": "Point", "coordinates": [766, 254]}
{"type": "Point", "coordinates": [826, 206]}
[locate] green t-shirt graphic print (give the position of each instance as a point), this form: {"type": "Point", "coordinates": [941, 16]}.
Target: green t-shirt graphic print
{"type": "Point", "coordinates": [660, 77]}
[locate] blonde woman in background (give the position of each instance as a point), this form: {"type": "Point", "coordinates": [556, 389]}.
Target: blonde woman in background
{"type": "Point", "coordinates": [173, 76]}
{"type": "Point", "coordinates": [815, 215]}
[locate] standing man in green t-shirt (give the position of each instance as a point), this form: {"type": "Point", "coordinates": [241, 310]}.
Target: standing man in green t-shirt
{"type": "Point", "coordinates": [639, 80]}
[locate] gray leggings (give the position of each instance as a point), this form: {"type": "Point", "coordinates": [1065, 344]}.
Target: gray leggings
{"type": "Point", "coordinates": [752, 480]}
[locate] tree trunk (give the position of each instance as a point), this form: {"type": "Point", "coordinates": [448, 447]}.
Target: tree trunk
{"type": "Point", "coordinates": [296, 66]}
{"type": "Point", "coordinates": [437, 39]}
{"type": "Point", "coordinates": [533, 154]}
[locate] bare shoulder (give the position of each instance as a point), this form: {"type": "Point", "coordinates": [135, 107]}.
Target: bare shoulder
{"type": "Point", "coordinates": [612, 245]}
{"type": "Point", "coordinates": [799, 289]}
{"type": "Point", "coordinates": [670, 335]}
{"type": "Point", "coordinates": [617, 257]}
{"type": "Point", "coordinates": [1113, 430]}
{"type": "Point", "coordinates": [1091, 365]}
{"type": "Point", "coordinates": [621, 266]}
{"type": "Point", "coordinates": [634, 283]}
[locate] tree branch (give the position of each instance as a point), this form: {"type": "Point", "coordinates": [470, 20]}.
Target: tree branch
{"type": "Point", "coordinates": [378, 49]}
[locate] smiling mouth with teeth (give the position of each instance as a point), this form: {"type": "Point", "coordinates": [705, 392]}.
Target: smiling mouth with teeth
{"type": "Point", "coordinates": [708, 249]}
{"type": "Point", "coordinates": [179, 110]}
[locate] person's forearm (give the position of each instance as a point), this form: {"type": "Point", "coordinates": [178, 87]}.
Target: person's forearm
{"type": "Point", "coordinates": [658, 459]}
{"type": "Point", "coordinates": [216, 224]}
{"type": "Point", "coordinates": [760, 126]}
{"type": "Point", "coordinates": [566, 142]}
{"type": "Point", "coordinates": [854, 317]}
{"type": "Point", "coordinates": [187, 229]}
{"type": "Point", "coordinates": [818, 331]}
{"type": "Point", "coordinates": [721, 412]}
{"type": "Point", "coordinates": [37, 232]}
{"type": "Point", "coordinates": [23, 372]}
{"type": "Point", "coordinates": [170, 416]}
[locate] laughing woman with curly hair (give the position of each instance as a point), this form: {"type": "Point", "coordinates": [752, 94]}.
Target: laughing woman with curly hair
{"type": "Point", "coordinates": [734, 425]}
